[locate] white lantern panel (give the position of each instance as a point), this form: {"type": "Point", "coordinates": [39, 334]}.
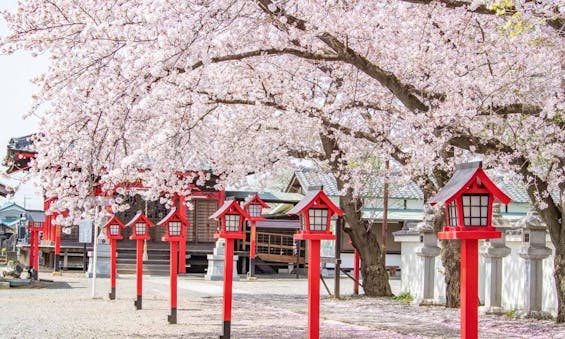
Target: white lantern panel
{"type": "Point", "coordinates": [114, 229]}
{"type": "Point", "coordinates": [255, 210]}
{"type": "Point", "coordinates": [318, 218]}
{"type": "Point", "coordinates": [175, 228]}
{"type": "Point", "coordinates": [140, 228]}
{"type": "Point", "coordinates": [232, 222]}
{"type": "Point", "coordinates": [452, 211]}
{"type": "Point", "coordinates": [475, 209]}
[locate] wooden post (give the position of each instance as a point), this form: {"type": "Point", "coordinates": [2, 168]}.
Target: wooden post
{"type": "Point", "coordinates": [469, 288]}
{"type": "Point", "coordinates": [228, 278]}
{"type": "Point", "coordinates": [139, 273]}
{"type": "Point", "coordinates": [337, 277]}
{"type": "Point", "coordinates": [356, 275]}
{"type": "Point", "coordinates": [173, 274]}
{"type": "Point", "coordinates": [252, 248]}
{"type": "Point", "coordinates": [314, 290]}
{"type": "Point", "coordinates": [113, 258]}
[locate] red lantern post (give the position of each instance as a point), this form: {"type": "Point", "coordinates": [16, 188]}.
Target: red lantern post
{"type": "Point", "coordinates": [315, 212]}
{"type": "Point", "coordinates": [114, 233]}
{"type": "Point", "coordinates": [254, 207]}
{"type": "Point", "coordinates": [34, 227]}
{"type": "Point", "coordinates": [140, 231]}
{"type": "Point", "coordinates": [356, 275]}
{"type": "Point", "coordinates": [468, 199]}
{"type": "Point", "coordinates": [231, 217]}
{"type": "Point", "coordinates": [176, 229]}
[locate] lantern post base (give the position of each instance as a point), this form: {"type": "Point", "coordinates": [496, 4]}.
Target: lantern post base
{"type": "Point", "coordinates": [252, 267]}
{"type": "Point", "coordinates": [57, 268]}
{"type": "Point", "coordinates": [112, 294]}
{"type": "Point", "coordinates": [227, 330]}
{"type": "Point", "coordinates": [173, 317]}
{"type": "Point", "coordinates": [137, 303]}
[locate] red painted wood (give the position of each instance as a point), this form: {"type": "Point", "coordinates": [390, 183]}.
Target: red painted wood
{"type": "Point", "coordinates": [57, 239]}
{"type": "Point", "coordinates": [173, 273]}
{"type": "Point", "coordinates": [31, 247]}
{"type": "Point", "coordinates": [469, 288]}
{"type": "Point", "coordinates": [228, 278]}
{"type": "Point", "coordinates": [182, 244]}
{"type": "Point", "coordinates": [252, 250]}
{"type": "Point", "coordinates": [314, 290]}
{"type": "Point", "coordinates": [139, 268]}
{"type": "Point", "coordinates": [356, 275]}
{"type": "Point", "coordinates": [113, 263]}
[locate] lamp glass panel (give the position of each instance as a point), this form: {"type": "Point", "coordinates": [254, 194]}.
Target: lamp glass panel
{"type": "Point", "coordinates": [232, 222]}
{"type": "Point", "coordinates": [452, 211]}
{"type": "Point", "coordinates": [318, 218]}
{"type": "Point", "coordinates": [114, 229]}
{"type": "Point", "coordinates": [175, 228]}
{"type": "Point", "coordinates": [140, 228]}
{"type": "Point", "coordinates": [475, 209]}
{"type": "Point", "coordinates": [255, 210]}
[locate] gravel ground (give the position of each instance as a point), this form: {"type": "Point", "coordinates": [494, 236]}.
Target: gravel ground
{"type": "Point", "coordinates": [264, 308]}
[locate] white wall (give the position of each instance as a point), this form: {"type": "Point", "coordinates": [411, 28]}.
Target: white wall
{"type": "Point", "coordinates": [513, 275]}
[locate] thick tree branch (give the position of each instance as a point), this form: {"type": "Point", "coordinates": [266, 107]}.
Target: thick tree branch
{"type": "Point", "coordinates": [404, 92]}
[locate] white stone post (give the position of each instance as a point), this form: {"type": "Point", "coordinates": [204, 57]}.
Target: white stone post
{"type": "Point", "coordinates": [429, 251]}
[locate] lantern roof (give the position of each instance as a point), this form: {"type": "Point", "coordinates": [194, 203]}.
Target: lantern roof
{"type": "Point", "coordinates": [313, 199]}
{"type": "Point", "coordinates": [462, 178]}
{"type": "Point", "coordinates": [173, 215]}
{"type": "Point", "coordinates": [257, 201]}
{"type": "Point", "coordinates": [229, 207]}
{"type": "Point", "coordinates": [113, 221]}
{"type": "Point", "coordinates": [140, 217]}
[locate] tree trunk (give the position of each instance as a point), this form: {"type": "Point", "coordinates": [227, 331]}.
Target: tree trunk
{"type": "Point", "coordinates": [364, 239]}
{"type": "Point", "coordinates": [450, 258]}
{"type": "Point", "coordinates": [451, 249]}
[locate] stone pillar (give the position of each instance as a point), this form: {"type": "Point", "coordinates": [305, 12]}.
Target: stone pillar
{"type": "Point", "coordinates": [216, 263]}
{"type": "Point", "coordinates": [429, 251]}
{"type": "Point", "coordinates": [533, 250]}
{"type": "Point", "coordinates": [103, 260]}
{"type": "Point", "coordinates": [494, 250]}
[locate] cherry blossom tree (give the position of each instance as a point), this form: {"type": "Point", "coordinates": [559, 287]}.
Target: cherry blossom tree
{"type": "Point", "coordinates": [168, 87]}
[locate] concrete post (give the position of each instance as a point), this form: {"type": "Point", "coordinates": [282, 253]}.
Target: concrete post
{"type": "Point", "coordinates": [533, 250]}
{"type": "Point", "coordinates": [493, 251]}
{"type": "Point", "coordinates": [429, 250]}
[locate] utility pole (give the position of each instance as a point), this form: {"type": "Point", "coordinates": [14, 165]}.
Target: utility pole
{"type": "Point", "coordinates": [385, 213]}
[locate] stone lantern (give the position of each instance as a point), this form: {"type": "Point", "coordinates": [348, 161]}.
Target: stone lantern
{"type": "Point", "coordinates": [533, 250]}
{"type": "Point", "coordinates": [429, 251]}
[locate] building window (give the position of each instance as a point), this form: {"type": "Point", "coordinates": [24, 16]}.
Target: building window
{"type": "Point", "coordinates": [475, 210]}
{"type": "Point", "coordinates": [452, 210]}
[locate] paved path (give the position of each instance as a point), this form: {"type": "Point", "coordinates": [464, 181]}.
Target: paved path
{"type": "Point", "coordinates": [265, 308]}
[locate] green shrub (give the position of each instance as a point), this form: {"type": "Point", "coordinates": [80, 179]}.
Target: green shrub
{"type": "Point", "coordinates": [404, 297]}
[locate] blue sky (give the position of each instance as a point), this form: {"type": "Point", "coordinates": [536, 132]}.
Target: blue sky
{"type": "Point", "coordinates": [16, 89]}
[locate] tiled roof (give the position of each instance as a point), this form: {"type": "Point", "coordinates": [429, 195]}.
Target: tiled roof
{"type": "Point", "coordinates": [406, 190]}
{"type": "Point", "coordinates": [310, 178]}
